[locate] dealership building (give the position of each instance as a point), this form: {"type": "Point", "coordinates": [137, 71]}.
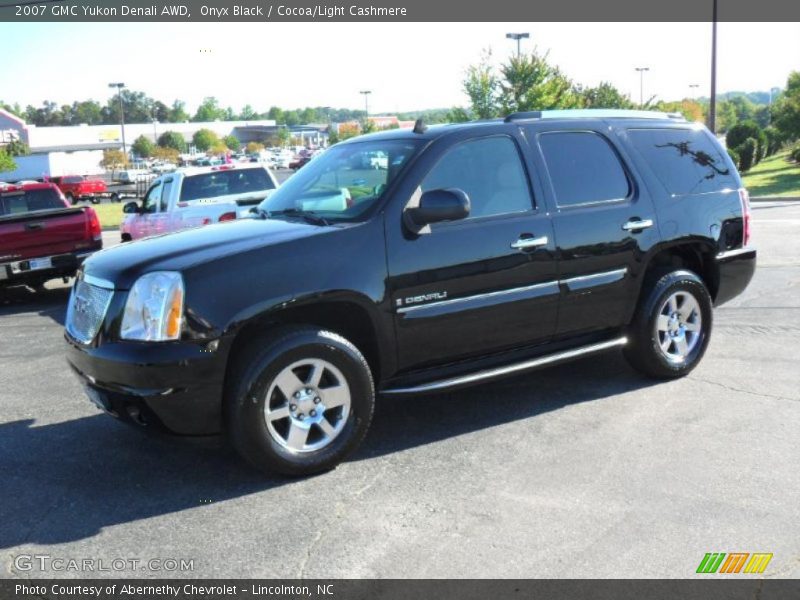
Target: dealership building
{"type": "Point", "coordinates": [78, 149]}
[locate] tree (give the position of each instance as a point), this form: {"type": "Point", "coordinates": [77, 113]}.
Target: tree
{"type": "Point", "coordinates": [248, 114]}
{"type": "Point", "coordinates": [232, 142]}
{"type": "Point", "coordinates": [530, 83]}
{"type": "Point", "coordinates": [254, 147]}
{"type": "Point", "coordinates": [143, 147]}
{"type": "Point", "coordinates": [113, 159]}
{"type": "Point", "coordinates": [209, 110]}
{"type": "Point", "coordinates": [786, 111]}
{"type": "Point", "coordinates": [218, 148]}
{"type": "Point", "coordinates": [172, 139]}
{"type": "Point", "coordinates": [457, 115]}
{"type": "Point", "coordinates": [283, 136]}
{"type": "Point", "coordinates": [348, 130]}
{"type": "Point", "coordinates": [166, 154]}
{"type": "Point", "coordinates": [481, 86]}
{"type": "Point", "coordinates": [204, 139]}
{"type": "Point", "coordinates": [6, 161]}
{"type": "Point", "coordinates": [605, 95]}
{"type": "Point", "coordinates": [690, 109]}
{"type": "Point", "coordinates": [17, 148]}
{"type": "Point", "coordinates": [177, 112]}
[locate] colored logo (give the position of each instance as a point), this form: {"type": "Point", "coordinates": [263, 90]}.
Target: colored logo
{"type": "Point", "coordinates": [734, 562]}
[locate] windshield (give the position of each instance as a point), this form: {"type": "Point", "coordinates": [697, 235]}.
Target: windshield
{"type": "Point", "coordinates": [343, 182]}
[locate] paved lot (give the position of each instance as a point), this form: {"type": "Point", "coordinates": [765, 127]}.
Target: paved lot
{"type": "Point", "coordinates": [585, 470]}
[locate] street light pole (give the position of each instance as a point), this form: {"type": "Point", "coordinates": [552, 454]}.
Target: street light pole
{"type": "Point", "coordinates": [712, 103]}
{"type": "Point", "coordinates": [518, 37]}
{"type": "Point", "coordinates": [641, 71]}
{"type": "Point", "coordinates": [119, 87]}
{"type": "Point", "coordinates": [366, 103]}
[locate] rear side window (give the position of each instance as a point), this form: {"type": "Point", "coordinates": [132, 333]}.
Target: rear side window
{"type": "Point", "coordinates": [686, 161]}
{"type": "Point", "coordinates": [225, 183]}
{"type": "Point", "coordinates": [29, 201]}
{"type": "Point", "coordinates": [583, 168]}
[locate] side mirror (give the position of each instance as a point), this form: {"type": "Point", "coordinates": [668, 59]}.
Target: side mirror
{"type": "Point", "coordinates": [436, 206]}
{"type": "Point", "coordinates": [130, 208]}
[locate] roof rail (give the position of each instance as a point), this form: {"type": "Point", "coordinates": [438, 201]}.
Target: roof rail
{"type": "Point", "coordinates": [591, 113]}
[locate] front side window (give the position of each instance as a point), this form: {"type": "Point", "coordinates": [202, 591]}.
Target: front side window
{"type": "Point", "coordinates": [342, 183]}
{"type": "Point", "coordinates": [583, 168]}
{"type": "Point", "coordinates": [489, 170]}
{"type": "Point", "coordinates": [686, 161]}
{"type": "Point", "coordinates": [152, 199]}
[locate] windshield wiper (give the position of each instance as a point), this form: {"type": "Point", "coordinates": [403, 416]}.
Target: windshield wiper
{"type": "Point", "coordinates": [308, 216]}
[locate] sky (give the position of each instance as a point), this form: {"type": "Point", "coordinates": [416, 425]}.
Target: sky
{"type": "Point", "coordinates": [408, 66]}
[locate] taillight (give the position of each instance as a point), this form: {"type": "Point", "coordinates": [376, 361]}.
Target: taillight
{"type": "Point", "coordinates": [744, 197]}
{"type": "Point", "coordinates": [95, 231]}
{"type": "Point", "coordinates": [228, 216]}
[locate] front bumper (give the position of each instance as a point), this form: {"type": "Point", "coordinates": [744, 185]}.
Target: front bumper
{"type": "Point", "coordinates": [174, 387]}
{"type": "Point", "coordinates": [735, 269]}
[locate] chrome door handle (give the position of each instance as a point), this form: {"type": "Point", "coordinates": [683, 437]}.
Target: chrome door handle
{"type": "Point", "coordinates": [637, 225]}
{"type": "Point", "coordinates": [529, 242]}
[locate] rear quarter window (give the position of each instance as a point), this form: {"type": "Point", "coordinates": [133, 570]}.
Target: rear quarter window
{"type": "Point", "coordinates": [686, 161]}
{"type": "Point", "coordinates": [225, 183]}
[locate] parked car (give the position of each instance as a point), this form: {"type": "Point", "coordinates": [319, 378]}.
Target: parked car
{"type": "Point", "coordinates": [280, 160]}
{"type": "Point", "coordinates": [486, 249]}
{"type": "Point", "coordinates": [133, 175]}
{"type": "Point", "coordinates": [77, 187]}
{"type": "Point", "coordinates": [196, 196]}
{"type": "Point", "coordinates": [299, 162]}
{"type": "Point", "coordinates": [42, 237]}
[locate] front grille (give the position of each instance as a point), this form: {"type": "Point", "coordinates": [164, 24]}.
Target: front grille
{"type": "Point", "coordinates": [87, 309]}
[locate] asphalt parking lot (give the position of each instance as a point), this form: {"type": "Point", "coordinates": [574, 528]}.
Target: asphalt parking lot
{"type": "Point", "coordinates": [583, 470]}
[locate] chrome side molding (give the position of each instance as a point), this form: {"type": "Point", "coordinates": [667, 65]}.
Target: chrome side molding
{"type": "Point", "coordinates": [498, 372]}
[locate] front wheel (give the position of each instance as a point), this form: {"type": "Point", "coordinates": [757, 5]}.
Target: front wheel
{"type": "Point", "coordinates": [69, 198]}
{"type": "Point", "coordinates": [299, 401]}
{"type": "Point", "coordinates": [672, 326]}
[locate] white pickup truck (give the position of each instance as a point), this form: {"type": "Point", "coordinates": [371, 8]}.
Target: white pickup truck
{"type": "Point", "coordinates": [194, 197]}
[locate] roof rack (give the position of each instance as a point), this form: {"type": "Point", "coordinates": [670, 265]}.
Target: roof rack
{"type": "Point", "coordinates": [591, 113]}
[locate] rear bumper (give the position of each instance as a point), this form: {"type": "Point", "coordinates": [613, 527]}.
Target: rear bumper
{"type": "Point", "coordinates": [40, 269]}
{"type": "Point", "coordinates": [173, 387]}
{"type": "Point", "coordinates": [736, 269]}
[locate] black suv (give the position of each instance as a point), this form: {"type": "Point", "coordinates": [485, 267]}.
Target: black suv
{"type": "Point", "coordinates": [406, 262]}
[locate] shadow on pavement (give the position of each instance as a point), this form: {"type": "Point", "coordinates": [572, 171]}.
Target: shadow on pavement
{"type": "Point", "coordinates": [69, 480]}
{"type": "Point", "coordinates": [48, 302]}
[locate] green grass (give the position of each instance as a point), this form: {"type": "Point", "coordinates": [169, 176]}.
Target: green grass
{"type": "Point", "coordinates": [110, 214]}
{"type": "Point", "coordinates": [774, 176]}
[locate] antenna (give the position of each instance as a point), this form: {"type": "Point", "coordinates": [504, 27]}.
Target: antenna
{"type": "Point", "coordinates": [420, 127]}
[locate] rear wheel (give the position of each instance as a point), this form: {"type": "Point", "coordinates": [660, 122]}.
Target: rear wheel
{"type": "Point", "coordinates": [95, 200]}
{"type": "Point", "coordinates": [299, 401]}
{"type": "Point", "coordinates": [70, 198]}
{"type": "Point", "coordinates": [672, 326]}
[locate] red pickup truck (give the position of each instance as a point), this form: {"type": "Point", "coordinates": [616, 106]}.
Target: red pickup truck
{"type": "Point", "coordinates": [42, 237]}
{"type": "Point", "coordinates": [77, 187]}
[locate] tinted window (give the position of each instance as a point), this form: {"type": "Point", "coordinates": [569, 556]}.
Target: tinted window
{"type": "Point", "coordinates": [224, 183]}
{"type": "Point", "coordinates": [73, 179]}
{"type": "Point", "coordinates": [29, 201]}
{"type": "Point", "coordinates": [583, 168]}
{"type": "Point", "coordinates": [152, 199]}
{"type": "Point", "coordinates": [165, 194]}
{"type": "Point", "coordinates": [686, 161]}
{"type": "Point", "coordinates": [489, 170]}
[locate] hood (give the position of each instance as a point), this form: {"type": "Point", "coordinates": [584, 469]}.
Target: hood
{"type": "Point", "coordinates": [123, 264]}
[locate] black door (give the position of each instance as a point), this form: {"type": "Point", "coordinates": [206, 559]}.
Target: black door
{"type": "Point", "coordinates": [482, 284]}
{"type": "Point", "coordinates": [604, 223]}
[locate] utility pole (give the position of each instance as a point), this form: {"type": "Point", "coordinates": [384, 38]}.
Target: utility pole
{"type": "Point", "coordinates": [641, 71]}
{"type": "Point", "coordinates": [518, 37]}
{"type": "Point", "coordinates": [712, 103]}
{"type": "Point", "coordinates": [366, 104]}
{"type": "Point", "coordinates": [119, 87]}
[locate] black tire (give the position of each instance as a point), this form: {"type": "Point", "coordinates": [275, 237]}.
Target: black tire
{"type": "Point", "coordinates": [252, 375]}
{"type": "Point", "coordinates": [94, 200]}
{"type": "Point", "coordinates": [644, 348]}
{"type": "Point", "coordinates": [115, 197]}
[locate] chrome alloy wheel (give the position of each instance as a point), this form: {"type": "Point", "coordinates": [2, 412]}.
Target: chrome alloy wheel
{"type": "Point", "coordinates": [307, 405]}
{"type": "Point", "coordinates": [679, 326]}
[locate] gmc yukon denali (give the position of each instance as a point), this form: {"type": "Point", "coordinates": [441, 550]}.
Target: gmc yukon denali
{"type": "Point", "coordinates": [480, 250]}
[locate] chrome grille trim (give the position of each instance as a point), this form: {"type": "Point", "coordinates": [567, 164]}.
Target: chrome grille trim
{"type": "Point", "coordinates": [86, 311]}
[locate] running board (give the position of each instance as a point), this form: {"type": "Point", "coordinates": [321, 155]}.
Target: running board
{"type": "Point", "coordinates": [506, 370]}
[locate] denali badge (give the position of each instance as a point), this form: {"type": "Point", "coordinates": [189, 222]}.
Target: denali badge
{"type": "Point", "coordinates": [422, 298]}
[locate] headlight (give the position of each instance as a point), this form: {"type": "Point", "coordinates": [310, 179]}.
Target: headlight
{"type": "Point", "coordinates": [154, 310]}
